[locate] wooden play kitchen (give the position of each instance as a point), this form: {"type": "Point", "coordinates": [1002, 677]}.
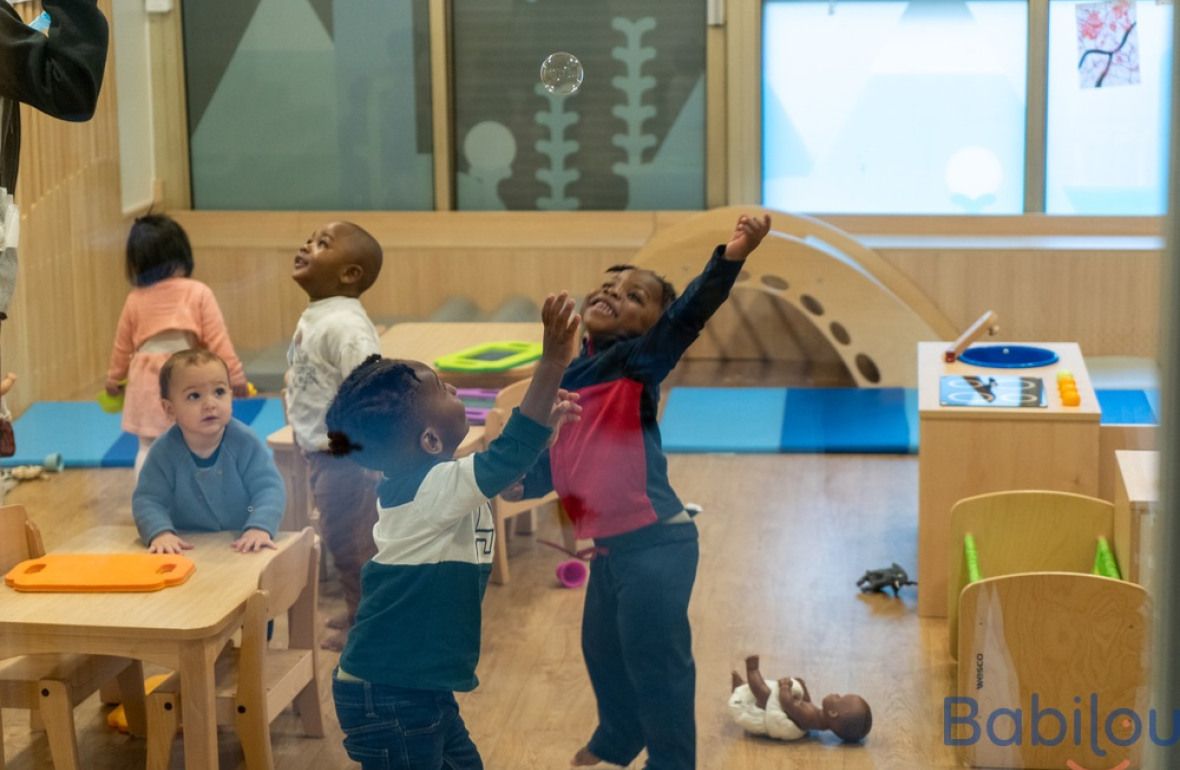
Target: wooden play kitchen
{"type": "Point", "coordinates": [1001, 416]}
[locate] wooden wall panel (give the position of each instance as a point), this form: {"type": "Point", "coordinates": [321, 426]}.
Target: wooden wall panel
{"type": "Point", "coordinates": [246, 258]}
{"type": "Point", "coordinates": [1067, 286]}
{"type": "Point", "coordinates": [1107, 300]}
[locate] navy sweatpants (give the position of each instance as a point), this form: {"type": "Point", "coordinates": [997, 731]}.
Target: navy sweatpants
{"type": "Point", "coordinates": [638, 646]}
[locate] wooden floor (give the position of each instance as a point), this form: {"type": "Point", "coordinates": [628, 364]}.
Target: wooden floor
{"type": "Point", "coordinates": [783, 540]}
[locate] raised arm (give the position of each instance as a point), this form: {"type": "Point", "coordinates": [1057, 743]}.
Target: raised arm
{"type": "Point", "coordinates": [59, 73]}
{"type": "Point", "coordinates": [516, 449]}
{"type": "Point", "coordinates": [559, 346]}
{"type": "Point", "coordinates": [747, 234]}
{"type": "Point", "coordinates": [660, 348]}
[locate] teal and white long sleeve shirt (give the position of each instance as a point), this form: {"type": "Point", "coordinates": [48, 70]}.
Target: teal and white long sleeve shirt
{"type": "Point", "coordinates": [418, 623]}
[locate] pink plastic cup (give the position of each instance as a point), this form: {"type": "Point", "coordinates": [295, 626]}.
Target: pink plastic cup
{"type": "Point", "coordinates": [572, 573]}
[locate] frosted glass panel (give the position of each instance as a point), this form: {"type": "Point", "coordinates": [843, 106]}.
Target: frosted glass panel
{"type": "Point", "coordinates": [631, 137]}
{"type": "Point", "coordinates": [894, 107]}
{"type": "Point", "coordinates": [1107, 146]}
{"type": "Point", "coordinates": [133, 81]}
{"type": "Point", "coordinates": [309, 104]}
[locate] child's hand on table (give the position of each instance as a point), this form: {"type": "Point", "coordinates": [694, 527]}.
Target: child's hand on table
{"type": "Point", "coordinates": [252, 541]}
{"type": "Point", "coordinates": [168, 542]}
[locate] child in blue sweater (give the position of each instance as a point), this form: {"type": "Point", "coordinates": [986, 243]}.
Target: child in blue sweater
{"type": "Point", "coordinates": [208, 471]}
{"type": "Point", "coordinates": [417, 632]}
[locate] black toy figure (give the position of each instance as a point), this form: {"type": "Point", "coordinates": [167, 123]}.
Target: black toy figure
{"type": "Point", "coordinates": [877, 580]}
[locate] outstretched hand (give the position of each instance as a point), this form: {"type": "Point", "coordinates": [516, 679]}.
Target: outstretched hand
{"type": "Point", "coordinates": [748, 233]}
{"type": "Point", "coordinates": [566, 409]}
{"type": "Point", "coordinates": [514, 492]}
{"type": "Point", "coordinates": [785, 689]}
{"type": "Point", "coordinates": [542, 402]}
{"type": "Point", "coordinates": [560, 341]}
{"type": "Point", "coordinates": [7, 383]}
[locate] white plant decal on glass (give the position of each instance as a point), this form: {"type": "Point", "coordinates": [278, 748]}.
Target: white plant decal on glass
{"type": "Point", "coordinates": [634, 113]}
{"type": "Point", "coordinates": [557, 148]}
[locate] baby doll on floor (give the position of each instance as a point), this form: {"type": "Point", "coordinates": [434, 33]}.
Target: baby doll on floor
{"type": "Point", "coordinates": [783, 709]}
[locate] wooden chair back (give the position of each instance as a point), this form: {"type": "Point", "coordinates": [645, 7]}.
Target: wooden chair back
{"type": "Point", "coordinates": [506, 400]}
{"type": "Point", "coordinates": [257, 683]}
{"type": "Point", "coordinates": [1024, 531]}
{"type": "Point", "coordinates": [19, 537]}
{"type": "Point", "coordinates": [1050, 638]}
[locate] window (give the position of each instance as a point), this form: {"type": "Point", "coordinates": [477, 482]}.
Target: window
{"type": "Point", "coordinates": [631, 137]}
{"type": "Point", "coordinates": [309, 104]}
{"type": "Point", "coordinates": [894, 107]}
{"type": "Point", "coordinates": [1107, 145]}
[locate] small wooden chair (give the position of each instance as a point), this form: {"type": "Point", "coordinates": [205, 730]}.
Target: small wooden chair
{"type": "Point", "coordinates": [1029, 625]}
{"type": "Point", "coordinates": [255, 682]}
{"type": "Point", "coordinates": [504, 510]}
{"type": "Point", "coordinates": [51, 685]}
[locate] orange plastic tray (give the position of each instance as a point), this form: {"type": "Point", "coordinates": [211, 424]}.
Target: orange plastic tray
{"type": "Point", "coordinates": [100, 572]}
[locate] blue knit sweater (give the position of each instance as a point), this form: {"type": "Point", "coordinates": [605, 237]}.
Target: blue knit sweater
{"type": "Point", "coordinates": [241, 490]}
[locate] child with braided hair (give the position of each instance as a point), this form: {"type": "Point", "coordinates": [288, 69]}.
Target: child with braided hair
{"type": "Point", "coordinates": [417, 631]}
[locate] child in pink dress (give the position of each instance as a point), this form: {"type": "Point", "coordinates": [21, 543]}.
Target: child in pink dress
{"type": "Point", "coordinates": [166, 312]}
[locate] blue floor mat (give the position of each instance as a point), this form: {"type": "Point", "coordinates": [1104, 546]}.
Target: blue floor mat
{"type": "Point", "coordinates": [1129, 407]}
{"type": "Point", "coordinates": [813, 420]}
{"type": "Point", "coordinates": [88, 437]}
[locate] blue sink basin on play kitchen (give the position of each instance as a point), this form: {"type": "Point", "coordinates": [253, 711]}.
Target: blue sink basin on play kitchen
{"type": "Point", "coordinates": [1008, 356]}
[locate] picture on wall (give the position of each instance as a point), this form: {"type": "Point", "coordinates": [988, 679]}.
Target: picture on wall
{"type": "Point", "coordinates": [1108, 45]}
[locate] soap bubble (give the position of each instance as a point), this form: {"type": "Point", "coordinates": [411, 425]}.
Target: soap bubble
{"type": "Point", "coordinates": [561, 73]}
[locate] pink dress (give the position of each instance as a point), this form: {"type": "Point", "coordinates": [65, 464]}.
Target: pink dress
{"type": "Point", "coordinates": [172, 305]}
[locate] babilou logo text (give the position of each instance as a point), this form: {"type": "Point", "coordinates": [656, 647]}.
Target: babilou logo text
{"type": "Point", "coordinates": [1086, 724]}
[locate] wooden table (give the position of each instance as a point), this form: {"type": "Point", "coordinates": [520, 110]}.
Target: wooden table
{"type": "Point", "coordinates": [965, 451]}
{"type": "Point", "coordinates": [426, 342]}
{"type": "Point", "coordinates": [1114, 438]}
{"type": "Point", "coordinates": [1136, 500]}
{"type": "Point", "coordinates": [182, 628]}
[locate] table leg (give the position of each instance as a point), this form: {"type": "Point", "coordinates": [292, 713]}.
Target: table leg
{"type": "Point", "coordinates": [198, 705]}
{"type": "Point", "coordinates": [131, 684]}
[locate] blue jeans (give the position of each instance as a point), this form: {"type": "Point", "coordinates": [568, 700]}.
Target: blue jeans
{"type": "Point", "coordinates": [392, 728]}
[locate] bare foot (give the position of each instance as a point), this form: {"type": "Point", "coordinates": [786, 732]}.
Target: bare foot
{"type": "Point", "coordinates": [584, 758]}
{"type": "Point", "coordinates": [334, 642]}
{"type": "Point", "coordinates": [339, 621]}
